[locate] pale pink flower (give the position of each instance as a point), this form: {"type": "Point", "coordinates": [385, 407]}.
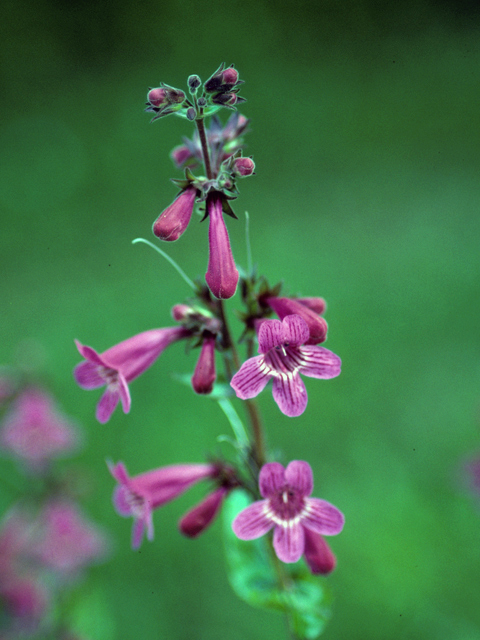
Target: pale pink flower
{"type": "Point", "coordinates": [65, 540]}
{"type": "Point", "coordinates": [138, 496]}
{"type": "Point", "coordinates": [285, 354]}
{"type": "Point", "coordinates": [121, 364]}
{"type": "Point", "coordinates": [288, 509]}
{"type": "Point", "coordinates": [35, 431]}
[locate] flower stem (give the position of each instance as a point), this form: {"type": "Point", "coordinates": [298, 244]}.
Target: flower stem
{"type": "Point", "coordinates": [258, 447]}
{"type": "Point", "coordinates": [203, 140]}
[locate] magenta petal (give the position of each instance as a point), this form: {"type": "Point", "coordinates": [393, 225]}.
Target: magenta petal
{"type": "Point", "coordinates": [270, 335]}
{"type": "Point", "coordinates": [251, 523]}
{"type": "Point", "coordinates": [124, 393]}
{"type": "Point", "coordinates": [289, 542]}
{"type": "Point", "coordinates": [318, 362]}
{"type": "Point", "coordinates": [299, 476]}
{"type": "Point", "coordinates": [251, 378]}
{"type": "Point", "coordinates": [222, 274]}
{"type": "Point", "coordinates": [107, 404]}
{"type": "Point", "coordinates": [296, 330]}
{"type": "Point", "coordinates": [290, 394]}
{"type": "Point", "coordinates": [120, 501]}
{"type": "Point", "coordinates": [271, 479]}
{"type": "Point", "coordinates": [322, 517]}
{"type": "Point", "coordinates": [119, 472]}
{"type": "Point", "coordinates": [89, 354]}
{"type": "Point", "coordinates": [138, 529]}
{"type": "Point", "coordinates": [86, 376]}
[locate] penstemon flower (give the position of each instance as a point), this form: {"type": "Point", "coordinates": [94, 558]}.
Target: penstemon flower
{"type": "Point", "coordinates": [285, 355]}
{"type": "Point", "coordinates": [138, 496]}
{"type": "Point", "coordinates": [173, 222]}
{"type": "Point", "coordinates": [288, 509]}
{"type": "Point", "coordinates": [121, 364]}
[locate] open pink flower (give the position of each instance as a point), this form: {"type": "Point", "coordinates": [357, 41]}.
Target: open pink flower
{"type": "Point", "coordinates": [222, 274]}
{"type": "Point", "coordinates": [140, 495]}
{"type": "Point", "coordinates": [35, 431]}
{"type": "Point", "coordinates": [288, 509]}
{"type": "Point", "coordinates": [121, 364]}
{"type": "Point", "coordinates": [307, 308]}
{"type": "Point", "coordinates": [285, 355]}
{"type": "Point", "coordinates": [66, 540]}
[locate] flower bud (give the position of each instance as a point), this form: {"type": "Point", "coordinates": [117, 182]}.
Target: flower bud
{"type": "Point", "coordinates": [243, 167]}
{"type": "Point", "coordinates": [193, 83]}
{"type": "Point", "coordinates": [288, 306]}
{"type": "Point", "coordinates": [191, 114]}
{"type": "Point", "coordinates": [222, 274]}
{"type": "Point", "coordinates": [182, 312]}
{"type": "Point", "coordinates": [157, 97]}
{"type": "Point", "coordinates": [204, 375]}
{"type": "Point", "coordinates": [181, 155]}
{"type": "Point", "coordinates": [318, 305]}
{"type": "Point", "coordinates": [318, 554]}
{"type": "Point", "coordinates": [226, 99]}
{"type": "Point", "coordinates": [172, 222]}
{"type": "Point", "coordinates": [200, 517]}
{"type": "Point", "coordinates": [222, 80]}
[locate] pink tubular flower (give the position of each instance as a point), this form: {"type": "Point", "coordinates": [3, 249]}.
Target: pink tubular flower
{"type": "Point", "coordinates": [35, 431]}
{"type": "Point", "coordinates": [66, 540]}
{"type": "Point", "coordinates": [172, 223]}
{"type": "Point", "coordinates": [204, 375]}
{"type": "Point", "coordinates": [140, 495]}
{"type": "Point", "coordinates": [306, 308]}
{"type": "Point", "coordinates": [285, 354]}
{"type": "Point", "coordinates": [222, 274]}
{"type": "Point", "coordinates": [121, 364]}
{"type": "Point", "coordinates": [200, 517]}
{"type": "Point", "coordinates": [288, 509]}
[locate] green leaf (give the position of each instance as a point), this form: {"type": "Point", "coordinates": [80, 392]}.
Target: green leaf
{"type": "Point", "coordinates": [254, 579]}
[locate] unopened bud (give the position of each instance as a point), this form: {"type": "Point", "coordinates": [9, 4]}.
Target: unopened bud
{"type": "Point", "coordinates": [222, 80]}
{"type": "Point", "coordinates": [204, 375]}
{"type": "Point", "coordinates": [191, 113]}
{"type": "Point", "coordinates": [193, 83]}
{"type": "Point", "coordinates": [157, 97]}
{"type": "Point", "coordinates": [243, 167]}
{"type": "Point", "coordinates": [200, 517]}
{"type": "Point", "coordinates": [225, 99]}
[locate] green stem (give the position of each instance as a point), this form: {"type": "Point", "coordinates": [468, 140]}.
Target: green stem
{"type": "Point", "coordinates": [203, 141]}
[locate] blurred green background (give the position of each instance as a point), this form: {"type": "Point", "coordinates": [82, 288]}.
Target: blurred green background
{"type": "Point", "coordinates": [365, 133]}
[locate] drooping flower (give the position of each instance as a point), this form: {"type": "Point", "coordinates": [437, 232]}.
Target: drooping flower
{"type": "Point", "coordinates": [138, 496]}
{"type": "Point", "coordinates": [205, 375]}
{"type": "Point", "coordinates": [65, 540]}
{"type": "Point", "coordinates": [307, 308]}
{"type": "Point", "coordinates": [288, 509]}
{"type": "Point", "coordinates": [285, 354]}
{"type": "Point", "coordinates": [222, 274]}
{"type": "Point", "coordinates": [35, 431]}
{"type": "Point", "coordinates": [172, 222]}
{"type": "Point", "coordinates": [121, 364]}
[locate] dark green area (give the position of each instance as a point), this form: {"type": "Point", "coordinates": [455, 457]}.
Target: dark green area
{"type": "Point", "coordinates": [365, 120]}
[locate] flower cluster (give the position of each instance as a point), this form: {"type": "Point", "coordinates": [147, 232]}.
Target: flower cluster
{"type": "Point", "coordinates": [289, 345]}
{"type": "Point", "coordinates": [46, 542]}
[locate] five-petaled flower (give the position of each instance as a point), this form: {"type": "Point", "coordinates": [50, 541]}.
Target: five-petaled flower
{"type": "Point", "coordinates": [121, 364]}
{"type": "Point", "coordinates": [298, 520]}
{"type": "Point", "coordinates": [138, 496]}
{"type": "Point", "coordinates": [284, 355]}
